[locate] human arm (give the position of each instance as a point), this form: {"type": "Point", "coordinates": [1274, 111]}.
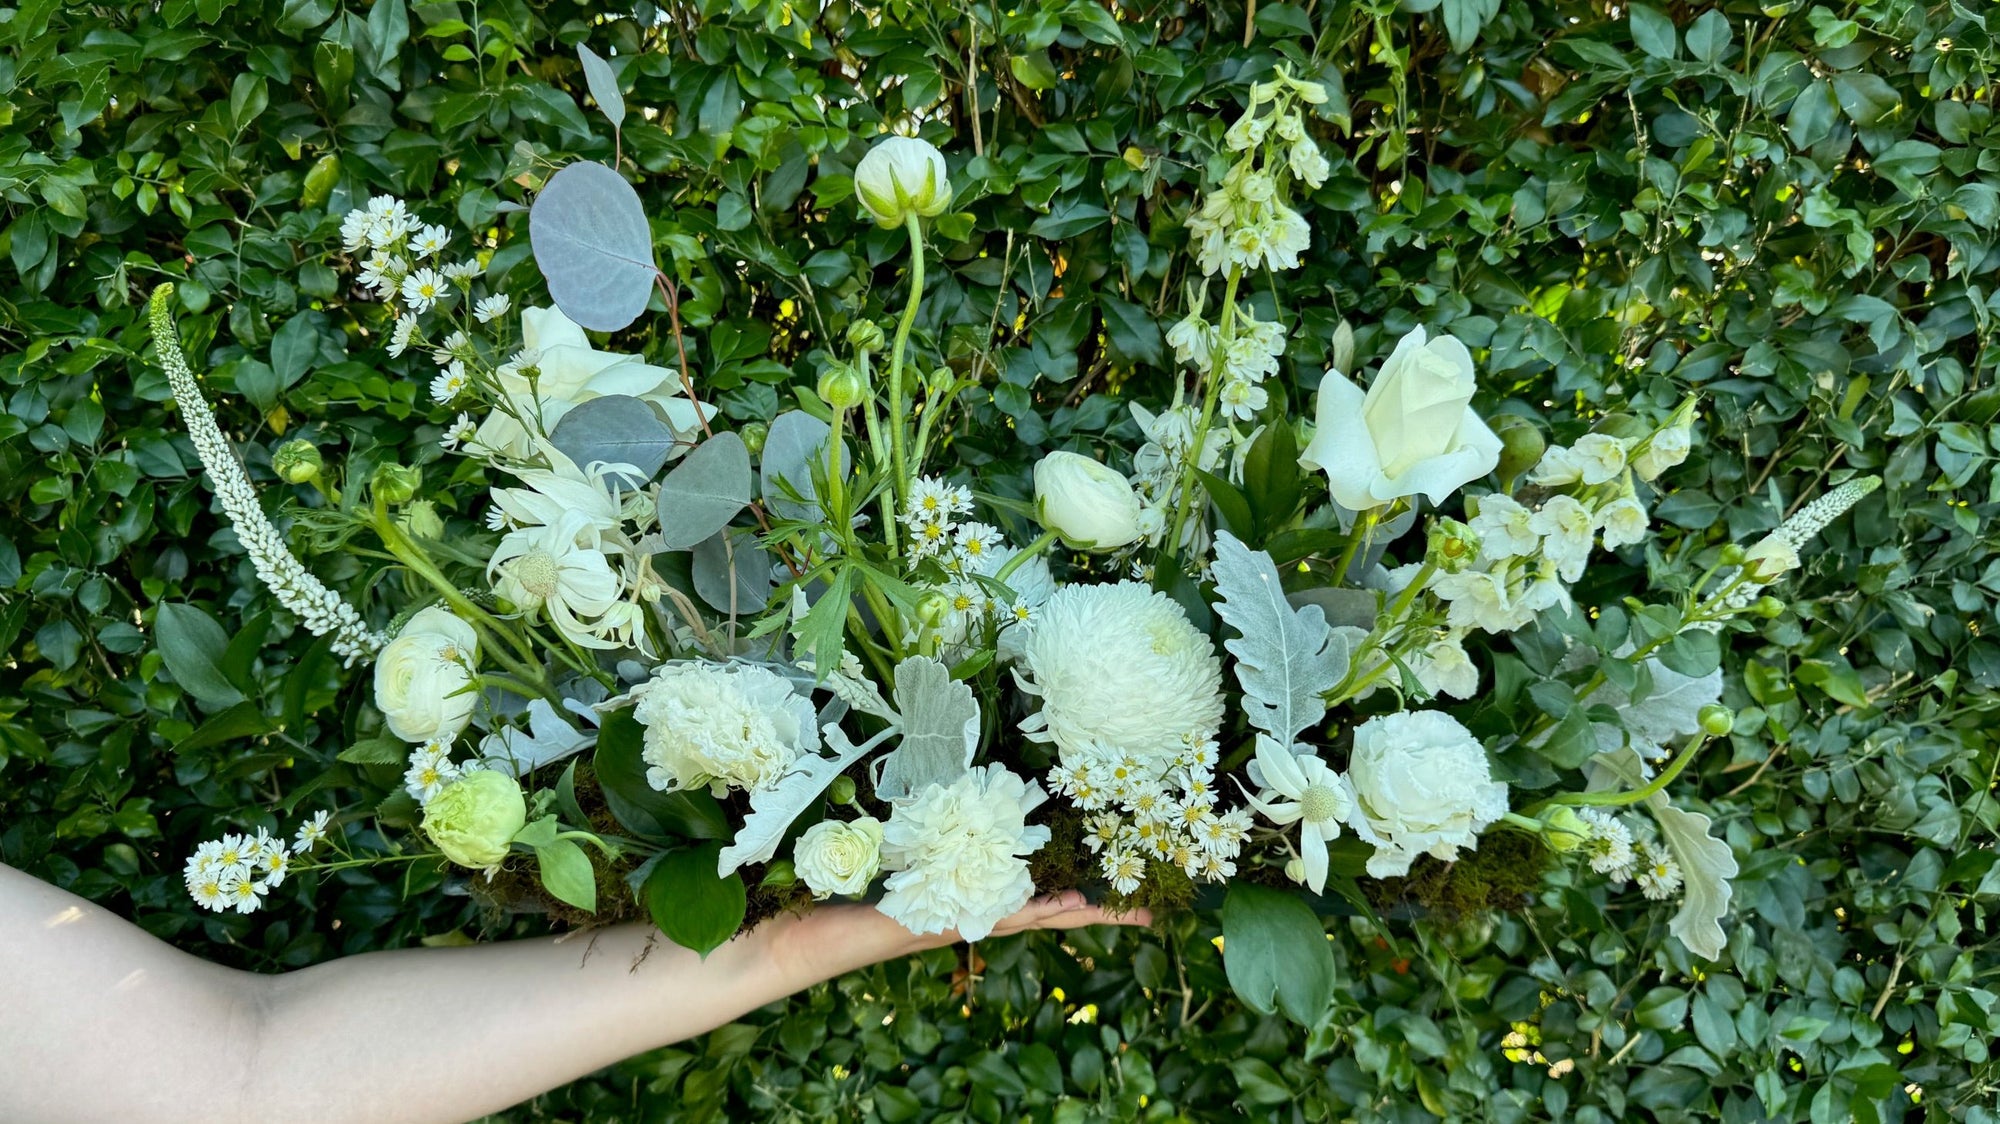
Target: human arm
{"type": "Point", "coordinates": [100, 1021]}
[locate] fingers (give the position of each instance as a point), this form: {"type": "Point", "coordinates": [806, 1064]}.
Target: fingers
{"type": "Point", "coordinates": [1070, 910]}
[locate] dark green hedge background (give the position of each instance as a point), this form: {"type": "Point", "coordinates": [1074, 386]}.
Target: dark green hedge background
{"type": "Point", "coordinates": [1787, 206]}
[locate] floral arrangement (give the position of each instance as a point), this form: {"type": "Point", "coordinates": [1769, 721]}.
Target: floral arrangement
{"type": "Point", "coordinates": [630, 661]}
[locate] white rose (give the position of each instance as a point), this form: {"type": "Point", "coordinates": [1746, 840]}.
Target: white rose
{"type": "Point", "coordinates": [1091, 506]}
{"type": "Point", "coordinates": [1423, 783]}
{"type": "Point", "coordinates": [423, 678]}
{"type": "Point", "coordinates": [901, 175]}
{"type": "Point", "coordinates": [1413, 431]}
{"type": "Point", "coordinates": [839, 858]}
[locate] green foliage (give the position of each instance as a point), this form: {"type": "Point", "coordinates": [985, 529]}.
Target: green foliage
{"type": "Point", "coordinates": [1788, 207]}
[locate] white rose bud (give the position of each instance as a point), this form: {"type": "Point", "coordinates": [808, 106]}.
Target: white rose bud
{"type": "Point", "coordinates": [1668, 448]}
{"type": "Point", "coordinates": [839, 858]}
{"type": "Point", "coordinates": [1412, 432]}
{"type": "Point", "coordinates": [424, 678]}
{"type": "Point", "coordinates": [1091, 506]}
{"type": "Point", "coordinates": [901, 175]}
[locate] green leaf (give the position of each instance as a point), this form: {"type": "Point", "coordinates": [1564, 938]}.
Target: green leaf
{"type": "Point", "coordinates": [644, 810]}
{"type": "Point", "coordinates": [567, 874]}
{"type": "Point", "coordinates": [1708, 40]}
{"type": "Point", "coordinates": [192, 643]}
{"type": "Point", "coordinates": [244, 720]}
{"type": "Point", "coordinates": [1572, 742]}
{"type": "Point", "coordinates": [375, 751]}
{"type": "Point", "coordinates": [1653, 32]}
{"type": "Point", "coordinates": [1272, 479]}
{"type": "Point", "coordinates": [1237, 517]}
{"type": "Point", "coordinates": [1275, 953]}
{"type": "Point", "coordinates": [693, 907]}
{"type": "Point", "coordinates": [1693, 653]}
{"type": "Point", "coordinates": [705, 491]}
{"type": "Point", "coordinates": [1132, 331]}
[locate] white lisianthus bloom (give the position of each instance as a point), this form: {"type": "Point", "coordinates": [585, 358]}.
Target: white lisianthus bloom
{"type": "Point", "coordinates": [1503, 528]}
{"type": "Point", "coordinates": [1092, 506]}
{"type": "Point", "coordinates": [566, 372]}
{"type": "Point", "coordinates": [1667, 448]}
{"type": "Point", "coordinates": [835, 857]}
{"type": "Point", "coordinates": [721, 725]}
{"type": "Point", "coordinates": [1567, 530]}
{"type": "Point", "coordinates": [1623, 522]}
{"type": "Point", "coordinates": [959, 853]}
{"type": "Point", "coordinates": [1599, 457]}
{"type": "Point", "coordinates": [1423, 784]}
{"type": "Point", "coordinates": [901, 176]}
{"type": "Point", "coordinates": [1298, 788]}
{"type": "Point", "coordinates": [1120, 664]}
{"type": "Point", "coordinates": [423, 678]}
{"type": "Point", "coordinates": [547, 568]}
{"type": "Point", "coordinates": [1413, 431]}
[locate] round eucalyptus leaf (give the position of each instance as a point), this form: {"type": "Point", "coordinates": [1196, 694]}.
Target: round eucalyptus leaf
{"type": "Point", "coordinates": [616, 429]}
{"type": "Point", "coordinates": [705, 491]}
{"type": "Point", "coordinates": [592, 243]}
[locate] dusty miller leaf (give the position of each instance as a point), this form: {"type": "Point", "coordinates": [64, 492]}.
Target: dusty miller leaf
{"type": "Point", "coordinates": [590, 238]}
{"type": "Point", "coordinates": [1285, 658]}
{"type": "Point", "coordinates": [1669, 713]}
{"type": "Point", "coordinates": [705, 491]}
{"type": "Point", "coordinates": [940, 722]}
{"type": "Point", "coordinates": [1707, 865]}
{"type": "Point", "coordinates": [773, 809]}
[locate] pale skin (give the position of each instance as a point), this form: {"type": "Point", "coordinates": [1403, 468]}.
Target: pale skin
{"type": "Point", "coordinates": [99, 1021]}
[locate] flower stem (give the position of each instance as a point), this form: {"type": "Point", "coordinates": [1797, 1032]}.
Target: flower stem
{"type": "Point", "coordinates": [1040, 544]}
{"type": "Point", "coordinates": [1364, 526]}
{"type": "Point", "coordinates": [898, 410]}
{"type": "Point", "coordinates": [1633, 796]}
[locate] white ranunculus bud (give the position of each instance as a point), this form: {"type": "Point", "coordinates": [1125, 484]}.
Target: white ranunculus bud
{"type": "Point", "coordinates": [1091, 506]}
{"type": "Point", "coordinates": [901, 175]}
{"type": "Point", "coordinates": [424, 677]}
{"type": "Point", "coordinates": [839, 858]}
{"type": "Point", "coordinates": [1412, 432]}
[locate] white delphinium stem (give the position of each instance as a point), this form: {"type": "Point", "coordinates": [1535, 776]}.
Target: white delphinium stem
{"type": "Point", "coordinates": [320, 609]}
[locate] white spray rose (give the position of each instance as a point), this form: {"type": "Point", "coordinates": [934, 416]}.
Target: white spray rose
{"type": "Point", "coordinates": [1599, 457]}
{"type": "Point", "coordinates": [1091, 506]}
{"type": "Point", "coordinates": [839, 858]}
{"type": "Point", "coordinates": [1423, 784]}
{"type": "Point", "coordinates": [901, 175]}
{"type": "Point", "coordinates": [1668, 448]}
{"type": "Point", "coordinates": [1413, 431]}
{"type": "Point", "coordinates": [423, 678]}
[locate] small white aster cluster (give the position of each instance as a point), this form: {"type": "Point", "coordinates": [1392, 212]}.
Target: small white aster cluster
{"type": "Point", "coordinates": [1145, 809]}
{"type": "Point", "coordinates": [1247, 224]}
{"type": "Point", "coordinates": [1616, 851]}
{"type": "Point", "coordinates": [1525, 558]}
{"type": "Point", "coordinates": [236, 871]}
{"type": "Point", "coordinates": [321, 610]}
{"type": "Point", "coordinates": [405, 257]}
{"type": "Point", "coordinates": [971, 554]}
{"type": "Point", "coordinates": [431, 768]}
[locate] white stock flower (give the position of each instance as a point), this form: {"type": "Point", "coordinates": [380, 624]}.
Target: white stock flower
{"type": "Point", "coordinates": [1444, 668]}
{"type": "Point", "coordinates": [1599, 457]}
{"type": "Point", "coordinates": [734, 725]}
{"type": "Point", "coordinates": [1667, 448]}
{"type": "Point", "coordinates": [1424, 786]}
{"type": "Point", "coordinates": [424, 677]}
{"type": "Point", "coordinates": [959, 853]}
{"type": "Point", "coordinates": [1557, 467]}
{"type": "Point", "coordinates": [1092, 506]}
{"type": "Point", "coordinates": [836, 857]}
{"type": "Point", "coordinates": [901, 176]}
{"type": "Point", "coordinates": [1567, 532]}
{"type": "Point", "coordinates": [546, 568]}
{"type": "Point", "coordinates": [1299, 788]}
{"type": "Point", "coordinates": [1120, 664]}
{"type": "Point", "coordinates": [1481, 599]}
{"type": "Point", "coordinates": [1413, 431]}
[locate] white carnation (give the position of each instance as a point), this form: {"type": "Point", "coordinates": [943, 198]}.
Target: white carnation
{"type": "Point", "coordinates": [1120, 664]}
{"type": "Point", "coordinates": [737, 725]}
{"type": "Point", "coordinates": [1424, 786]}
{"type": "Point", "coordinates": [959, 853]}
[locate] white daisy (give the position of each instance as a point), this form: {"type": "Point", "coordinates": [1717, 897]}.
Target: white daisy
{"type": "Point", "coordinates": [429, 241]}
{"type": "Point", "coordinates": [458, 433]}
{"type": "Point", "coordinates": [423, 288]}
{"type": "Point", "coordinates": [1660, 876]}
{"type": "Point", "coordinates": [312, 832]}
{"type": "Point", "coordinates": [399, 337]}
{"type": "Point", "coordinates": [491, 308]}
{"type": "Point", "coordinates": [450, 383]}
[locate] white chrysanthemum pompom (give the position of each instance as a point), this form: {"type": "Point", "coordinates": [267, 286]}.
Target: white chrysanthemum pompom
{"type": "Point", "coordinates": [1120, 664]}
{"type": "Point", "coordinates": [732, 724]}
{"type": "Point", "coordinates": [959, 853]}
{"type": "Point", "coordinates": [1424, 786]}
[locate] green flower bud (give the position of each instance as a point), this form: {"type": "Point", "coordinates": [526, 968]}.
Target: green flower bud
{"type": "Point", "coordinates": [421, 520]}
{"type": "Point", "coordinates": [1717, 721]}
{"type": "Point", "coordinates": [753, 435]}
{"type": "Point", "coordinates": [1732, 555]}
{"type": "Point", "coordinates": [1521, 445]}
{"type": "Point", "coordinates": [297, 461]}
{"type": "Point", "coordinates": [1341, 354]}
{"type": "Point", "coordinates": [396, 483]}
{"type": "Point", "coordinates": [933, 609]}
{"type": "Point", "coordinates": [1623, 426]}
{"type": "Point", "coordinates": [1135, 158]}
{"type": "Point", "coordinates": [865, 335]}
{"type": "Point", "coordinates": [780, 875]}
{"type": "Point", "coordinates": [842, 790]}
{"type": "Point", "coordinates": [1453, 546]}
{"type": "Point", "coordinates": [1767, 607]}
{"type": "Point", "coordinates": [842, 386]}
{"type": "Point", "coordinates": [474, 818]}
{"type": "Point", "coordinates": [1564, 831]}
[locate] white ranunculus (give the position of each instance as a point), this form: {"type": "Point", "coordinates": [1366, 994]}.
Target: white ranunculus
{"type": "Point", "coordinates": [1093, 507]}
{"type": "Point", "coordinates": [960, 853]}
{"type": "Point", "coordinates": [1424, 786]}
{"type": "Point", "coordinates": [1119, 664]}
{"type": "Point", "coordinates": [901, 175]}
{"type": "Point", "coordinates": [1413, 431]}
{"type": "Point", "coordinates": [424, 677]}
{"type": "Point", "coordinates": [734, 725]}
{"type": "Point", "coordinates": [836, 857]}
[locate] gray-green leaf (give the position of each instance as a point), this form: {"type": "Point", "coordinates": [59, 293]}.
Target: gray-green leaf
{"type": "Point", "coordinates": [615, 429]}
{"type": "Point", "coordinates": [1285, 658]}
{"type": "Point", "coordinates": [705, 491]}
{"type": "Point", "coordinates": [590, 238]}
{"type": "Point", "coordinates": [940, 722]}
{"type": "Point", "coordinates": [603, 83]}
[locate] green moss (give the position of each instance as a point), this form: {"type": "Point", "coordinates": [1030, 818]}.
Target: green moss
{"type": "Point", "coordinates": [1501, 875]}
{"type": "Point", "coordinates": [1063, 863]}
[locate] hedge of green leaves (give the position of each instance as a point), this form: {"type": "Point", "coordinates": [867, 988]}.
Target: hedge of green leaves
{"type": "Point", "coordinates": [1786, 206]}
